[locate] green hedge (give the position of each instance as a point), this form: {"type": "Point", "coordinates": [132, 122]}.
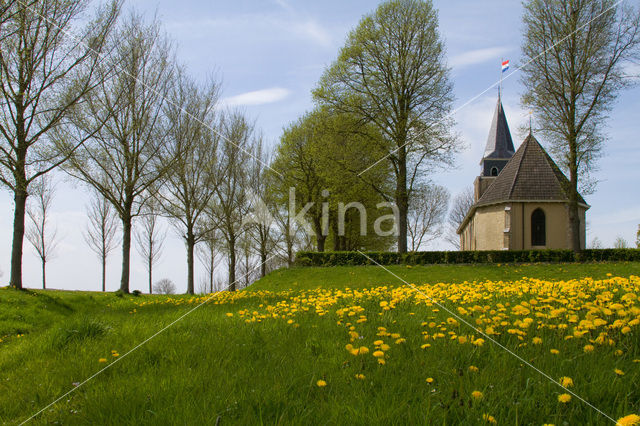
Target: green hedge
{"type": "Point", "coordinates": [335, 258]}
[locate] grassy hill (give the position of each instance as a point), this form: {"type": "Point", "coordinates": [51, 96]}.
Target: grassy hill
{"type": "Point", "coordinates": [343, 345]}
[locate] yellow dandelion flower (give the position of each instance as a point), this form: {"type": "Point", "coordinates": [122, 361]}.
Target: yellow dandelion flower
{"type": "Point", "coordinates": [381, 361]}
{"type": "Point", "coordinates": [477, 395]}
{"type": "Point", "coordinates": [618, 352]}
{"type": "Point", "coordinates": [360, 376]}
{"type": "Point", "coordinates": [321, 383]}
{"type": "Point", "coordinates": [229, 314]}
{"type": "Point", "coordinates": [566, 382]}
{"type": "Point", "coordinates": [385, 347]}
{"type": "Point", "coordinates": [378, 342]}
{"type": "Point", "coordinates": [462, 340]}
{"type": "Point", "coordinates": [618, 372]}
{"type": "Point", "coordinates": [630, 420]}
{"type": "Point", "coordinates": [401, 340]}
{"type": "Point", "coordinates": [588, 348]}
{"type": "Point", "coordinates": [555, 351]}
{"type": "Point", "coordinates": [478, 342]}
{"type": "Point", "coordinates": [102, 360]}
{"type": "Point", "coordinates": [425, 346]}
{"type": "Point", "coordinates": [429, 380]}
{"type": "Point", "coordinates": [363, 350]}
{"type": "Point", "coordinates": [564, 398]}
{"type": "Point", "coordinates": [473, 368]}
{"type": "Point", "coordinates": [536, 340]}
{"type": "Point", "coordinates": [489, 419]}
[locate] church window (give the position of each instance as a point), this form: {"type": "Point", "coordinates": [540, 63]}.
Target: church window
{"type": "Point", "coordinates": [494, 171]}
{"type": "Point", "coordinates": [538, 228]}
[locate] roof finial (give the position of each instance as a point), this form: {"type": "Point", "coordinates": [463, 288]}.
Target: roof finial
{"type": "Point", "coordinates": [530, 120]}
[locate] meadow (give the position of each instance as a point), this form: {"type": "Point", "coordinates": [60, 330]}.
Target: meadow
{"type": "Point", "coordinates": [342, 345]}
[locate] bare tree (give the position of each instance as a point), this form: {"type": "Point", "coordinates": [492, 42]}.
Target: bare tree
{"type": "Point", "coordinates": [190, 159]}
{"type": "Point", "coordinates": [101, 230]}
{"type": "Point", "coordinates": [596, 243]}
{"type": "Point", "coordinates": [43, 239]}
{"type": "Point", "coordinates": [150, 238]}
{"type": "Point", "coordinates": [126, 148]}
{"type": "Point", "coordinates": [575, 52]}
{"type": "Point", "coordinates": [460, 206]}
{"type": "Point", "coordinates": [427, 213]}
{"type": "Point", "coordinates": [231, 203]}
{"type": "Point", "coordinates": [638, 237]}
{"type": "Point", "coordinates": [208, 254]}
{"type": "Point", "coordinates": [261, 222]}
{"type": "Point", "coordinates": [44, 74]}
{"type": "Point", "coordinates": [165, 286]}
{"type": "Point", "coordinates": [620, 243]}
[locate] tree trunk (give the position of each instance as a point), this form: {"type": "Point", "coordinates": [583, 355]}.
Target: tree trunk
{"type": "Point", "coordinates": [320, 237]}
{"type": "Point", "coordinates": [44, 274]}
{"type": "Point", "coordinates": [402, 199]}
{"type": "Point", "coordinates": [126, 253]}
{"type": "Point", "coordinates": [150, 268]}
{"type": "Point", "coordinates": [191, 242]}
{"type": "Point", "coordinates": [263, 259]}
{"type": "Point", "coordinates": [20, 198]}
{"type": "Point", "coordinates": [232, 263]}
{"type": "Point", "coordinates": [211, 259]}
{"type": "Point", "coordinates": [104, 272]}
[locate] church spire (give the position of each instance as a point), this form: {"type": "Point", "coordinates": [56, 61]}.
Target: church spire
{"type": "Point", "coordinates": [499, 147]}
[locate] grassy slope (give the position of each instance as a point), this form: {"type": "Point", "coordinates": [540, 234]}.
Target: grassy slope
{"type": "Point", "coordinates": [211, 365]}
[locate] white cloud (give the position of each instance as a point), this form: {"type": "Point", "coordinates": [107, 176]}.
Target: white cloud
{"type": "Point", "coordinates": [477, 56]}
{"type": "Point", "coordinates": [257, 97]}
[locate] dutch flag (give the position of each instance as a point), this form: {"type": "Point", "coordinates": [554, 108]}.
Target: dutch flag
{"type": "Point", "coordinates": [505, 65]}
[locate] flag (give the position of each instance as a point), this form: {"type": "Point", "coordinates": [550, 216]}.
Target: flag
{"type": "Point", "coordinates": [505, 65]}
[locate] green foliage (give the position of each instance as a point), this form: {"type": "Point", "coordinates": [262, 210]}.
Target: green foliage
{"type": "Point", "coordinates": [307, 258]}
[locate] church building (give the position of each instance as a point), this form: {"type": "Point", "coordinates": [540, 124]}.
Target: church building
{"type": "Point", "coordinates": [521, 200]}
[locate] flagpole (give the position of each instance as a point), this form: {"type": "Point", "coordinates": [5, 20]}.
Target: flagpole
{"type": "Point", "coordinates": [500, 85]}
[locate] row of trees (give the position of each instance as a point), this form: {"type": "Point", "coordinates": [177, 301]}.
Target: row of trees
{"type": "Point", "coordinates": [109, 106]}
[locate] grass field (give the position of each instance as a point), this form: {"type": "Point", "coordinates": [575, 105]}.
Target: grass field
{"type": "Point", "coordinates": [343, 345]}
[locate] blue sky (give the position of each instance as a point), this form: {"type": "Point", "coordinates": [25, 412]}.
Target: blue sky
{"type": "Point", "coordinates": [269, 54]}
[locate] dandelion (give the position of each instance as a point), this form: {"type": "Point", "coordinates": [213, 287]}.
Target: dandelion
{"type": "Point", "coordinates": [536, 340]}
{"type": "Point", "coordinates": [473, 369]}
{"type": "Point", "coordinates": [429, 380]}
{"type": "Point", "coordinates": [381, 361]}
{"type": "Point", "coordinates": [566, 382]}
{"type": "Point", "coordinates": [588, 348]}
{"type": "Point", "coordinates": [489, 419]}
{"type": "Point", "coordinates": [321, 383]}
{"type": "Point", "coordinates": [477, 395]}
{"type": "Point", "coordinates": [630, 420]}
{"type": "Point", "coordinates": [618, 352]}
{"type": "Point", "coordinates": [618, 372]}
{"type": "Point", "coordinates": [425, 346]}
{"type": "Point", "coordinates": [478, 342]}
{"type": "Point", "coordinates": [401, 340]}
{"type": "Point", "coordinates": [229, 314]}
{"type": "Point", "coordinates": [363, 350]}
{"type": "Point", "coordinates": [360, 376]}
{"type": "Point", "coordinates": [555, 351]}
{"type": "Point", "coordinates": [385, 347]}
{"type": "Point", "coordinates": [102, 360]}
{"type": "Point", "coordinates": [378, 342]}
{"type": "Point", "coordinates": [564, 398]}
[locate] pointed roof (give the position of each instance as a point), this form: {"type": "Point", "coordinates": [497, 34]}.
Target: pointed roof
{"type": "Point", "coordinates": [499, 142]}
{"type": "Point", "coordinates": [530, 175]}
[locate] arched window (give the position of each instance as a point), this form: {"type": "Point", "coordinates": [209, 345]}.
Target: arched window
{"type": "Point", "coordinates": [494, 171]}
{"type": "Point", "coordinates": [538, 228]}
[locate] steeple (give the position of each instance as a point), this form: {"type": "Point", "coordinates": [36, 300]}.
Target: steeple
{"type": "Point", "coordinates": [499, 147]}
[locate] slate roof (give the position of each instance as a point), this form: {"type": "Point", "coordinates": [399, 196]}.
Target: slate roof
{"type": "Point", "coordinates": [499, 142]}
{"type": "Point", "coordinates": [530, 175]}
